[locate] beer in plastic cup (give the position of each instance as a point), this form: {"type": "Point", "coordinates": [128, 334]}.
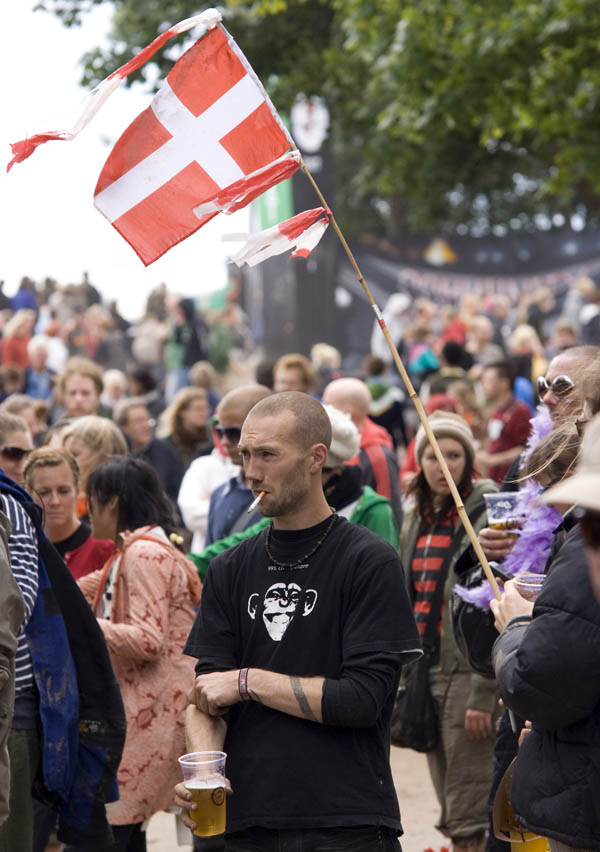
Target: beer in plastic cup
{"type": "Point", "coordinates": [204, 777]}
{"type": "Point", "coordinates": [529, 585]}
{"type": "Point", "coordinates": [501, 507]}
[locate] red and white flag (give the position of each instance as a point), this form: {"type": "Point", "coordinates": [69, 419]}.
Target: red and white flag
{"type": "Point", "coordinates": [210, 141]}
{"type": "Point", "coordinates": [302, 233]}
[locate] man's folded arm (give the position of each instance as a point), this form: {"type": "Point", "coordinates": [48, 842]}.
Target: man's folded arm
{"type": "Point", "coordinates": [354, 700]}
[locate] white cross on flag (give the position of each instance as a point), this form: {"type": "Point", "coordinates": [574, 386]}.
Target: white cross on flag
{"type": "Point", "coordinates": [210, 141]}
{"type": "Point", "coordinates": [209, 128]}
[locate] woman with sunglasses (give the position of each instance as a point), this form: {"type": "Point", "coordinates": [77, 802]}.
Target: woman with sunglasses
{"type": "Point", "coordinates": [548, 670]}
{"type": "Point", "coordinates": [15, 445]}
{"type": "Point", "coordinates": [144, 599]}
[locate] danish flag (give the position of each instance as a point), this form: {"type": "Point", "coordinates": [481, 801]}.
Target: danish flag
{"type": "Point", "coordinates": [301, 233]}
{"type": "Point", "coordinates": [210, 141]}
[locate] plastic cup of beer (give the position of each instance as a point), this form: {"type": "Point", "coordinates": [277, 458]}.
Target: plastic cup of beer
{"type": "Point", "coordinates": [204, 777]}
{"type": "Point", "coordinates": [501, 509]}
{"type": "Point", "coordinates": [529, 585]}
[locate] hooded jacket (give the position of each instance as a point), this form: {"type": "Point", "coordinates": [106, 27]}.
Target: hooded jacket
{"type": "Point", "coordinates": [379, 465]}
{"type": "Point", "coordinates": [154, 592]}
{"type": "Point", "coordinates": [81, 714]}
{"type": "Point", "coordinates": [548, 671]}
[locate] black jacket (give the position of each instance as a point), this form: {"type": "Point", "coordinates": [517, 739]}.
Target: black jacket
{"type": "Point", "coordinates": [548, 671]}
{"type": "Point", "coordinates": [167, 464]}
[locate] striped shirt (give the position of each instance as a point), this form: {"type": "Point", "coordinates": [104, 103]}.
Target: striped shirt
{"type": "Point", "coordinates": [431, 548]}
{"type": "Point", "coordinates": [23, 550]}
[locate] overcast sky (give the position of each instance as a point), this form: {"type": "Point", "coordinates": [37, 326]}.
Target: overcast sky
{"type": "Point", "coordinates": [48, 223]}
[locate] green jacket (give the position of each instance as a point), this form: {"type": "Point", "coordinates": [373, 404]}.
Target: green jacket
{"type": "Point", "coordinates": [371, 511]}
{"type": "Point", "coordinates": [483, 690]}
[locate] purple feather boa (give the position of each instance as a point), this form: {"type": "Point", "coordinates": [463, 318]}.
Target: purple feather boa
{"type": "Point", "coordinates": [532, 548]}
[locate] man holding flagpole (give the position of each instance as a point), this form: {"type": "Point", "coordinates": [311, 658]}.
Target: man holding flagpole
{"type": "Point", "coordinates": [300, 639]}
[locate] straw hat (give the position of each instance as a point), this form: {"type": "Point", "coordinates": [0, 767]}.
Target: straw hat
{"type": "Point", "coordinates": [583, 488]}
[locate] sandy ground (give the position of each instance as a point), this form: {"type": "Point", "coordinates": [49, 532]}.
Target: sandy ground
{"type": "Point", "coordinates": [418, 806]}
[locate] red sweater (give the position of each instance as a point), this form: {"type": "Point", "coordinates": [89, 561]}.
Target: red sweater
{"type": "Point", "coordinates": [83, 553]}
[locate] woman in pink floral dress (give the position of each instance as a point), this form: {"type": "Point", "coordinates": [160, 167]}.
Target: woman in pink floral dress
{"type": "Point", "coordinates": [144, 599]}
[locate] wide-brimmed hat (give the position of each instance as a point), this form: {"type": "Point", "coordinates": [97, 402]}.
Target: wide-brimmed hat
{"type": "Point", "coordinates": [583, 488]}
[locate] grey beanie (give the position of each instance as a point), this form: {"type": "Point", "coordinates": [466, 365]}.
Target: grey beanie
{"type": "Point", "coordinates": [446, 424]}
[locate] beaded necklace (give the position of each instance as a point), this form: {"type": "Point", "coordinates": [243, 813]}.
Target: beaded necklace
{"type": "Point", "coordinates": [304, 558]}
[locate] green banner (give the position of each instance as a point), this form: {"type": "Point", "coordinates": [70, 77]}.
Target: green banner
{"type": "Point", "coordinates": [275, 205]}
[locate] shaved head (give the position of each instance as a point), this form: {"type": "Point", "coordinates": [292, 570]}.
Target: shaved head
{"type": "Point", "coordinates": [312, 423]}
{"type": "Point", "coordinates": [241, 400]}
{"type": "Point", "coordinates": [351, 396]}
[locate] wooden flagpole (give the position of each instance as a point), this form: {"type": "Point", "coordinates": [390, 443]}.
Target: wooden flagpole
{"type": "Point", "coordinates": [413, 395]}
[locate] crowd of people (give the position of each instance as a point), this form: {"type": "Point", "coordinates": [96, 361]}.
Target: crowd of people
{"type": "Point", "coordinates": [201, 547]}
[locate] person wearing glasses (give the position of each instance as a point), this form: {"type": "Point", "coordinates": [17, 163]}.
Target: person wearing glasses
{"type": "Point", "coordinates": [228, 503]}
{"type": "Point", "coordinates": [15, 445]}
{"type": "Point", "coordinates": [548, 669]}
{"type": "Point", "coordinates": [133, 417]}
{"type": "Point", "coordinates": [558, 389]}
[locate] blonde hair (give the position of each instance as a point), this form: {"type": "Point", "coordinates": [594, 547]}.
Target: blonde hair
{"type": "Point", "coordinates": [525, 336]}
{"type": "Point", "coordinates": [324, 355]}
{"type": "Point", "coordinates": [15, 325]}
{"type": "Point", "coordinates": [555, 456]}
{"type": "Point", "coordinates": [16, 403]}
{"type": "Point", "coordinates": [590, 385]}
{"type": "Point", "coordinates": [49, 457]}
{"type": "Point", "coordinates": [98, 434]}
{"type": "Point", "coordinates": [11, 423]}
{"type": "Point", "coordinates": [79, 366]}
{"type": "Point", "coordinates": [112, 379]}
{"type": "Point", "coordinates": [170, 421]}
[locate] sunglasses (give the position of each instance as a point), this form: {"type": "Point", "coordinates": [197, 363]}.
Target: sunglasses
{"type": "Point", "coordinates": [561, 386]}
{"type": "Point", "coordinates": [14, 453]}
{"type": "Point", "coordinates": [589, 523]}
{"type": "Point", "coordinates": [232, 433]}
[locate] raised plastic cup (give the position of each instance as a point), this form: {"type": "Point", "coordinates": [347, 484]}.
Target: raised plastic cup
{"type": "Point", "coordinates": [529, 585]}
{"type": "Point", "coordinates": [501, 507]}
{"type": "Point", "coordinates": [204, 777]}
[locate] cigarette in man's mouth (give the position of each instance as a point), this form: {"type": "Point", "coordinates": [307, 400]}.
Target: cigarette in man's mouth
{"type": "Point", "coordinates": [255, 502]}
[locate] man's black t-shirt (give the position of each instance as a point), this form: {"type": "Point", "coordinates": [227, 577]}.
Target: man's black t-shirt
{"type": "Point", "coordinates": [342, 614]}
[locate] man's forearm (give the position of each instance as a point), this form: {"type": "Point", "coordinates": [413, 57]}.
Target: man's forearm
{"type": "Point", "coordinates": [203, 732]}
{"type": "Point", "coordinates": [297, 696]}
